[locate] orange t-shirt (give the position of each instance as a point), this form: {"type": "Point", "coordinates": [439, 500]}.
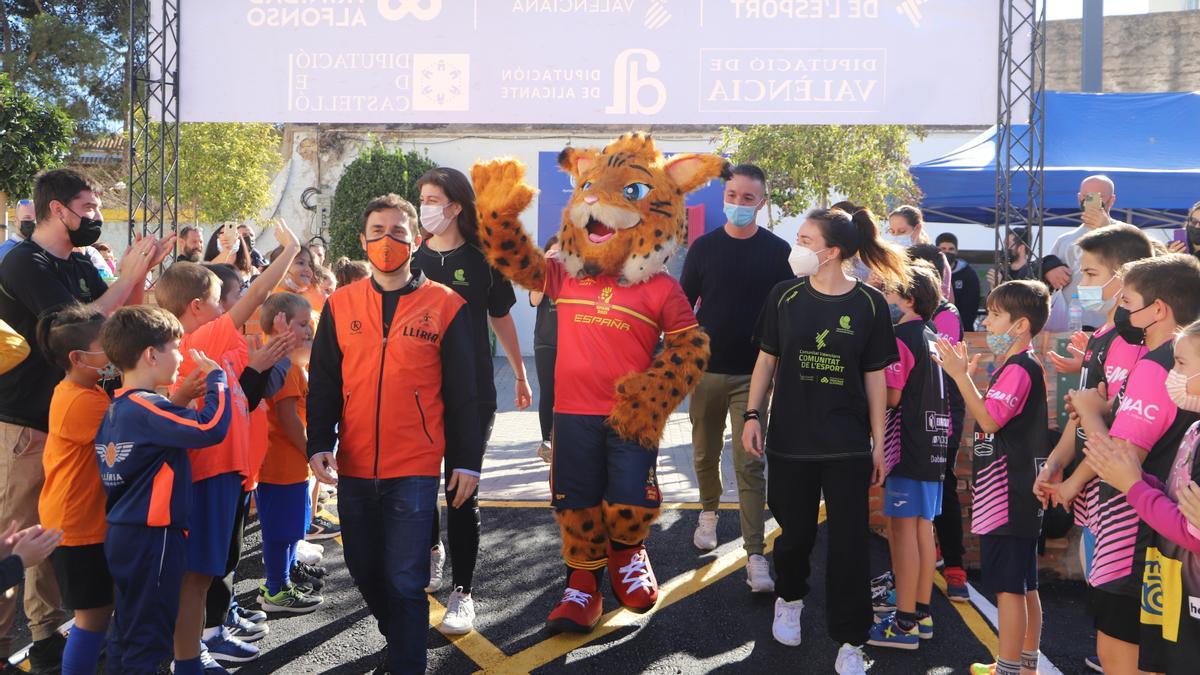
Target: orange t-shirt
{"type": "Point", "coordinates": [286, 464]}
{"type": "Point", "coordinates": [72, 498]}
{"type": "Point", "coordinates": [221, 342]}
{"type": "Point", "coordinates": [316, 300]}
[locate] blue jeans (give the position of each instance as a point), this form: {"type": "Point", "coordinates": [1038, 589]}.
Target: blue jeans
{"type": "Point", "coordinates": [385, 535]}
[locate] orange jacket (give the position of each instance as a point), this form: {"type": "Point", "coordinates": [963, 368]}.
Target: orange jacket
{"type": "Point", "coordinates": [400, 400]}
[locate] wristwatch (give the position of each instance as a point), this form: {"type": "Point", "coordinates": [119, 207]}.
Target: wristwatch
{"type": "Point", "coordinates": [750, 414]}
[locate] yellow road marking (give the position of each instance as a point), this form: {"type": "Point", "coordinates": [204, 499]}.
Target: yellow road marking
{"type": "Point", "coordinates": [978, 625]}
{"type": "Point", "coordinates": [671, 592]}
{"type": "Point", "coordinates": [477, 648]}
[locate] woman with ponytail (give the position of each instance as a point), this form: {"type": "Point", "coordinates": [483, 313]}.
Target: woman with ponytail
{"type": "Point", "coordinates": [825, 339]}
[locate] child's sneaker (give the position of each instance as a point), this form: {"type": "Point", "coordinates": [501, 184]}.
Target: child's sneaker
{"type": "Point", "coordinates": [289, 601]}
{"type": "Point", "coordinates": [207, 662]}
{"type": "Point", "coordinates": [888, 633]}
{"type": "Point", "coordinates": [245, 629]}
{"type": "Point", "coordinates": [1092, 663]}
{"type": "Point", "coordinates": [302, 578]}
{"type": "Point", "coordinates": [322, 527]}
{"type": "Point", "coordinates": [308, 552]}
{"type": "Point", "coordinates": [311, 570]}
{"type": "Point", "coordinates": [251, 615]}
{"type": "Point", "coordinates": [786, 626]}
{"type": "Point", "coordinates": [460, 614]}
{"type": "Point", "coordinates": [925, 626]}
{"type": "Point", "coordinates": [956, 584]}
{"type": "Point", "coordinates": [884, 603]}
{"type": "Point", "coordinates": [983, 669]}
{"type": "Point", "coordinates": [851, 661]}
{"type": "Point", "coordinates": [227, 649]}
{"type": "Point", "coordinates": [705, 536]}
{"type": "Point", "coordinates": [885, 581]}
{"type": "Point", "coordinates": [437, 566]}
{"type": "Point", "coordinates": [758, 575]}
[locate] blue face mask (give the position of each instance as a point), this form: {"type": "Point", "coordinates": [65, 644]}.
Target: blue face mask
{"type": "Point", "coordinates": [1000, 344]}
{"type": "Point", "coordinates": [1091, 298]}
{"type": "Point", "coordinates": [739, 216]}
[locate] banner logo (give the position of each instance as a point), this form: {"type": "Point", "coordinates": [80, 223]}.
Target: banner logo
{"type": "Point", "coordinates": [628, 84]}
{"type": "Point", "coordinates": [421, 10]}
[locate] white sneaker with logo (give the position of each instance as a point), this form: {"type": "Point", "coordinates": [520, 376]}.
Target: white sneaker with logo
{"type": "Point", "coordinates": [851, 661]}
{"type": "Point", "coordinates": [437, 564]}
{"type": "Point", "coordinates": [705, 537]}
{"type": "Point", "coordinates": [758, 575]}
{"type": "Point", "coordinates": [460, 614]}
{"type": "Point", "coordinates": [786, 627]}
{"type": "Point", "coordinates": [309, 553]}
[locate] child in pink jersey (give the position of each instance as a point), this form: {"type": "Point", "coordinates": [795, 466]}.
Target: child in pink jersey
{"type": "Point", "coordinates": [1171, 578]}
{"type": "Point", "coordinates": [1106, 358]}
{"type": "Point", "coordinates": [1160, 294]}
{"type": "Point", "coordinates": [1010, 443]}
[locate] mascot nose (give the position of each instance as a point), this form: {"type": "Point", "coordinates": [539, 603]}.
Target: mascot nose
{"type": "Point", "coordinates": [591, 199]}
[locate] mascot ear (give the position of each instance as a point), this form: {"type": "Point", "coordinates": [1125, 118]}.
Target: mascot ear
{"type": "Point", "coordinates": [576, 161]}
{"type": "Point", "coordinates": [690, 172]}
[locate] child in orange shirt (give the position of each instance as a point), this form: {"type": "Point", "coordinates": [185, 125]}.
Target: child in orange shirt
{"type": "Point", "coordinates": [282, 497]}
{"type": "Point", "coordinates": [72, 498]}
{"type": "Point", "coordinates": [219, 473]}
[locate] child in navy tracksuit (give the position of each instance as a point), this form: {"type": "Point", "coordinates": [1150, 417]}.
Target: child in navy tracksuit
{"type": "Point", "coordinates": [142, 450]}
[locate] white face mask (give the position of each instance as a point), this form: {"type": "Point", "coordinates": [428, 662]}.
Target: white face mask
{"type": "Point", "coordinates": [805, 261]}
{"type": "Point", "coordinates": [901, 240]}
{"type": "Point", "coordinates": [433, 218]}
{"type": "Point", "coordinates": [1177, 384]}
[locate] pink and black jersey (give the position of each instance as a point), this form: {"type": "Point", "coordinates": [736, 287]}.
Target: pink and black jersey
{"type": "Point", "coordinates": [1006, 463]}
{"type": "Point", "coordinates": [1148, 418]}
{"type": "Point", "coordinates": [917, 447]}
{"type": "Point", "coordinates": [1108, 359]}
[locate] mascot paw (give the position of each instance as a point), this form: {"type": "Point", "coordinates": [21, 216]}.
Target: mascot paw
{"type": "Point", "coordinates": [641, 409]}
{"type": "Point", "coordinates": [500, 188]}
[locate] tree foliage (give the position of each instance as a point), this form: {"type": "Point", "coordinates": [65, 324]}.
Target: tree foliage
{"type": "Point", "coordinates": [225, 169]}
{"type": "Point", "coordinates": [375, 172]}
{"type": "Point", "coordinates": [70, 53]}
{"type": "Point", "coordinates": [34, 136]}
{"type": "Point", "coordinates": [808, 166]}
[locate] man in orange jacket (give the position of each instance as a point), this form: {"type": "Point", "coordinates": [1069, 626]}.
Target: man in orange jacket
{"type": "Point", "coordinates": [392, 384]}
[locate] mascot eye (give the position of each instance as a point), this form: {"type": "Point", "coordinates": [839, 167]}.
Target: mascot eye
{"type": "Point", "coordinates": [636, 191]}
{"type": "Point", "coordinates": [587, 185]}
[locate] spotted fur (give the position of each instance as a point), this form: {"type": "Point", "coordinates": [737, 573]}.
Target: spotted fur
{"type": "Point", "coordinates": [584, 537]}
{"type": "Point", "coordinates": [629, 525]}
{"type": "Point", "coordinates": [646, 399]}
{"type": "Point", "coordinates": [501, 194]}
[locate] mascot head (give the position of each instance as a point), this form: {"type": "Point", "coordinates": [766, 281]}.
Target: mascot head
{"type": "Point", "coordinates": [626, 215]}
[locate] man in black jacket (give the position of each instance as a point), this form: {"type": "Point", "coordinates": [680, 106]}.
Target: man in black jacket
{"type": "Point", "coordinates": [965, 280]}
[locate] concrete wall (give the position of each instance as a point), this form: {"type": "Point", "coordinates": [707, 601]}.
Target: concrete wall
{"type": "Point", "coordinates": [1142, 52]}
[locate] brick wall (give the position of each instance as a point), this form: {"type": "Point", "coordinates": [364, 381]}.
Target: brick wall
{"type": "Point", "coordinates": [1061, 556]}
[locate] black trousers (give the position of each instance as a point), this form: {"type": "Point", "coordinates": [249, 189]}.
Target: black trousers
{"type": "Point", "coordinates": [949, 524]}
{"type": "Point", "coordinates": [463, 524]}
{"type": "Point", "coordinates": [544, 358]}
{"type": "Point", "coordinates": [794, 490]}
{"type": "Point", "coordinates": [220, 591]}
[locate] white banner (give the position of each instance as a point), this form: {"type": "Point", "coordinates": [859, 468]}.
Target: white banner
{"type": "Point", "coordinates": [590, 61]}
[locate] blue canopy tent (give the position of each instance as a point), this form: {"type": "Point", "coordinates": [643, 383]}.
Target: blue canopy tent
{"type": "Point", "coordinates": [1149, 144]}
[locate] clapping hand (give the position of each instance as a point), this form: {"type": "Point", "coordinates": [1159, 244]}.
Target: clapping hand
{"type": "Point", "coordinates": [1072, 362]}
{"type": "Point", "coordinates": [953, 359]}
{"type": "Point", "coordinates": [1116, 461]}
{"type": "Point", "coordinates": [203, 363]}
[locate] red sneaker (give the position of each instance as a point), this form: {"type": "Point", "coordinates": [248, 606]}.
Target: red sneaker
{"type": "Point", "coordinates": [632, 578]}
{"type": "Point", "coordinates": [581, 605]}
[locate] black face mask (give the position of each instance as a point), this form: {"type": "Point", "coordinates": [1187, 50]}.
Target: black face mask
{"type": "Point", "coordinates": [87, 233]}
{"type": "Point", "coordinates": [951, 259]}
{"type": "Point", "coordinates": [25, 227]}
{"type": "Point", "coordinates": [1125, 328]}
{"type": "Point", "coordinates": [1193, 234]}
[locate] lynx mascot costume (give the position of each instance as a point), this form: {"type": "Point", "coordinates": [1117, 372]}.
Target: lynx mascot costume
{"type": "Point", "coordinates": [614, 395]}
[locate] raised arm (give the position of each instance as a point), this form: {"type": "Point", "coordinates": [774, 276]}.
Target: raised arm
{"type": "Point", "coordinates": [501, 194]}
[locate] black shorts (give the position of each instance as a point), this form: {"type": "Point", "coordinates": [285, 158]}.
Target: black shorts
{"type": "Point", "coordinates": [1009, 563]}
{"type": "Point", "coordinates": [1152, 650]}
{"type": "Point", "coordinates": [1117, 616]}
{"type": "Point", "coordinates": [83, 578]}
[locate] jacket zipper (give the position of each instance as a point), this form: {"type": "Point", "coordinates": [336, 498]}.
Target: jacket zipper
{"type": "Point", "coordinates": [417, 396]}
{"type": "Point", "coordinates": [379, 387]}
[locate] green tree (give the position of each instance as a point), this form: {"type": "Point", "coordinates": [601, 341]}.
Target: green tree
{"type": "Point", "coordinates": [375, 172]}
{"type": "Point", "coordinates": [70, 53]}
{"type": "Point", "coordinates": [807, 166]}
{"type": "Point", "coordinates": [34, 136]}
{"type": "Point", "coordinates": [225, 169]}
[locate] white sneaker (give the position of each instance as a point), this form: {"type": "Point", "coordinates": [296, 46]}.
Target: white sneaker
{"type": "Point", "coordinates": [437, 562]}
{"type": "Point", "coordinates": [460, 614]}
{"type": "Point", "coordinates": [758, 575]}
{"type": "Point", "coordinates": [786, 627]}
{"type": "Point", "coordinates": [705, 538]}
{"type": "Point", "coordinates": [851, 661]}
{"type": "Point", "coordinates": [309, 553]}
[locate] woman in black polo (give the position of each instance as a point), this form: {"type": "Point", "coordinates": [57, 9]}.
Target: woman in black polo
{"type": "Point", "coordinates": [825, 339]}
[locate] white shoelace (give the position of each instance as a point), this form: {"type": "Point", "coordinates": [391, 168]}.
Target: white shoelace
{"type": "Point", "coordinates": [576, 596]}
{"type": "Point", "coordinates": [635, 575]}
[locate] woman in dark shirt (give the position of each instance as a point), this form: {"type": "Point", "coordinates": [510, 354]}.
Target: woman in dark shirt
{"type": "Point", "coordinates": [545, 353]}
{"type": "Point", "coordinates": [825, 339]}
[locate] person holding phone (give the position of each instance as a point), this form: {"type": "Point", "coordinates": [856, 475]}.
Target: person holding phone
{"type": "Point", "coordinates": [1187, 238]}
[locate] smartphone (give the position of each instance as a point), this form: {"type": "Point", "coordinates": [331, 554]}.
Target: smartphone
{"type": "Point", "coordinates": [1093, 200]}
{"type": "Point", "coordinates": [1181, 236]}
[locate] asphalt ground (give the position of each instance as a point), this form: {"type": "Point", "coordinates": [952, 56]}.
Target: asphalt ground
{"type": "Point", "coordinates": [706, 620]}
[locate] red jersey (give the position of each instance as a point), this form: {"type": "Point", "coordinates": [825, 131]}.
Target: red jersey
{"type": "Point", "coordinates": [607, 331]}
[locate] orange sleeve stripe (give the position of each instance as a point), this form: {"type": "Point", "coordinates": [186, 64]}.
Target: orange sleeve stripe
{"type": "Point", "coordinates": [159, 513]}
{"type": "Point", "coordinates": [183, 420]}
